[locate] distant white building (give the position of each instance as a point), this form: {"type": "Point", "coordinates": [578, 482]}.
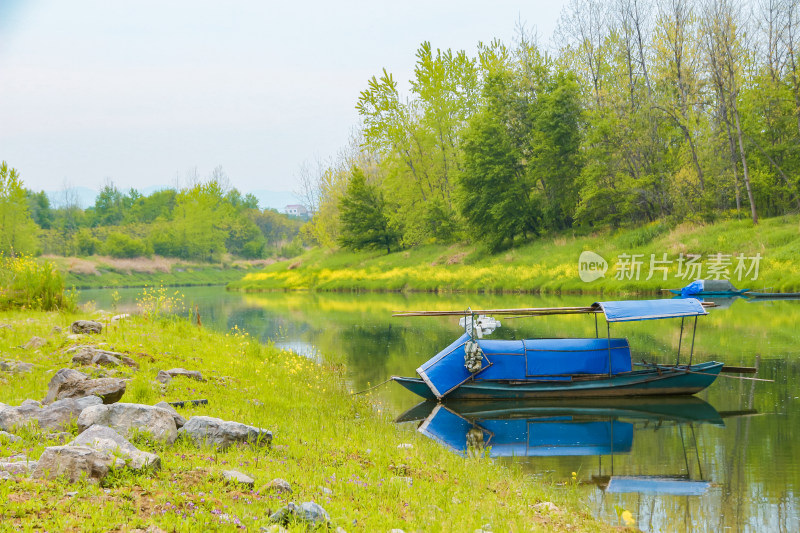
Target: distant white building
{"type": "Point", "coordinates": [296, 210]}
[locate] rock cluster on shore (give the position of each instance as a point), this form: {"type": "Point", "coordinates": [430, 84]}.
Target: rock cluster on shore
{"type": "Point", "coordinates": [90, 401]}
{"type": "Point", "coordinates": [104, 423]}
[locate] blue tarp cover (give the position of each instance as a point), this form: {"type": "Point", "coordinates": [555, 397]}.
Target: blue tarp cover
{"type": "Point", "coordinates": [542, 359]}
{"type": "Point", "coordinates": [695, 287]}
{"type": "Point", "coordinates": [446, 371]}
{"type": "Point", "coordinates": [630, 310]}
{"type": "Point", "coordinates": [545, 357]}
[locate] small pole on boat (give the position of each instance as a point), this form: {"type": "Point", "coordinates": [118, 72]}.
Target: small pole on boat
{"type": "Point", "coordinates": [596, 331]}
{"type": "Point", "coordinates": [680, 339]}
{"type": "Point", "coordinates": [694, 330]}
{"type": "Point", "coordinates": [608, 327]}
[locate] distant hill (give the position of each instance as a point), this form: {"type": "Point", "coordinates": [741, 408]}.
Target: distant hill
{"type": "Point", "coordinates": [85, 197]}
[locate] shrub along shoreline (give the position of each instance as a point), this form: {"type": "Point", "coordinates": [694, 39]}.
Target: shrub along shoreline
{"type": "Point", "coordinates": [338, 450]}
{"type": "Point", "coordinates": [636, 262]}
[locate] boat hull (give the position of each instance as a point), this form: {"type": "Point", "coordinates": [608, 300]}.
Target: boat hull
{"type": "Point", "coordinates": [704, 294]}
{"type": "Point", "coordinates": [652, 381]}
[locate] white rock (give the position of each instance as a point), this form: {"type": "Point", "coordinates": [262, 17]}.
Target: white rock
{"type": "Point", "coordinates": [18, 468]}
{"type": "Point", "coordinates": [179, 420]}
{"type": "Point", "coordinates": [60, 414]}
{"type": "Point", "coordinates": [62, 376]}
{"type": "Point", "coordinates": [547, 506]}
{"type": "Point", "coordinates": [309, 512]}
{"type": "Point", "coordinates": [279, 485]}
{"type": "Point", "coordinates": [182, 372]}
{"type": "Point", "coordinates": [210, 431]}
{"type": "Point", "coordinates": [86, 326]}
{"type": "Point", "coordinates": [73, 463]}
{"type": "Point", "coordinates": [56, 416]}
{"type": "Point", "coordinates": [128, 418]}
{"type": "Point", "coordinates": [107, 440]}
{"type": "Point", "coordinates": [35, 343]}
{"type": "Point", "coordinates": [235, 476]}
{"type": "Point", "coordinates": [6, 437]}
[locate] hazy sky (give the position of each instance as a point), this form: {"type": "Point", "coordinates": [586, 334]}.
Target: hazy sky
{"type": "Point", "coordinates": [139, 91]}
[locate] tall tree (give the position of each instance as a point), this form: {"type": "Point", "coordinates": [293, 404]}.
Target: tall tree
{"type": "Point", "coordinates": [418, 139]}
{"type": "Point", "coordinates": [363, 216]}
{"type": "Point", "coordinates": [496, 192]}
{"type": "Point", "coordinates": [18, 231]}
{"type": "Point", "coordinates": [676, 62]}
{"type": "Point", "coordinates": [109, 209]}
{"type": "Point", "coordinates": [724, 30]}
{"type": "Point", "coordinates": [40, 209]}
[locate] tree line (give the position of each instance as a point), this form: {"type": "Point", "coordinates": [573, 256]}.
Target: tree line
{"type": "Point", "coordinates": [202, 222]}
{"type": "Point", "coordinates": [644, 110]}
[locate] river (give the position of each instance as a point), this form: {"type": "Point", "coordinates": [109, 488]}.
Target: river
{"type": "Point", "coordinates": [725, 462]}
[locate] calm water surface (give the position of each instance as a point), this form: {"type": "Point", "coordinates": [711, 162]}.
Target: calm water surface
{"type": "Point", "coordinates": [725, 462]}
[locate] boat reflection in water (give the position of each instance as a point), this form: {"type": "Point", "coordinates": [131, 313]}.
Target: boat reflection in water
{"type": "Point", "coordinates": [570, 428]}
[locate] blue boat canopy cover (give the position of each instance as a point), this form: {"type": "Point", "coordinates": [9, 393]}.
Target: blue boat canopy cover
{"type": "Point", "coordinates": [631, 310]}
{"type": "Point", "coordinates": [695, 287]}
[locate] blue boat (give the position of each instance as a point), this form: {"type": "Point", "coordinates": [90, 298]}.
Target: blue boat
{"type": "Point", "coordinates": [476, 368]}
{"type": "Point", "coordinates": [709, 287]}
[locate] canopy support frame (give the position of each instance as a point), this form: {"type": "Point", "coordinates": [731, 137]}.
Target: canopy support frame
{"type": "Point", "coordinates": [694, 331]}
{"type": "Point", "coordinates": [608, 328]}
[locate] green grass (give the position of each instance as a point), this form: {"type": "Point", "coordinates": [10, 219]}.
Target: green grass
{"type": "Point", "coordinates": [323, 438]}
{"type": "Point", "coordinates": [549, 264]}
{"type": "Point", "coordinates": [176, 278]}
{"type": "Point", "coordinates": [104, 272]}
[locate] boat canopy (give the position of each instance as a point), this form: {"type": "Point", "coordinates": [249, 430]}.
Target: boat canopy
{"type": "Point", "coordinates": [631, 310]}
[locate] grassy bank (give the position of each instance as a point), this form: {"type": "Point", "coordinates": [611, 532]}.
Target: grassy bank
{"type": "Point", "coordinates": [101, 272]}
{"type": "Point", "coordinates": [550, 264]}
{"type": "Point", "coordinates": [338, 450]}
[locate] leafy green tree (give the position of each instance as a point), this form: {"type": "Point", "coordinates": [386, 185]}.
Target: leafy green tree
{"type": "Point", "coordinates": [124, 246]}
{"type": "Point", "coordinates": [159, 205]}
{"type": "Point", "coordinates": [18, 231]}
{"type": "Point", "coordinates": [108, 206]}
{"type": "Point", "coordinates": [419, 140]}
{"type": "Point", "coordinates": [521, 150]}
{"type": "Point", "coordinates": [494, 191]}
{"type": "Point", "coordinates": [39, 207]}
{"type": "Point", "coordinates": [363, 217]}
{"type": "Point", "coordinates": [195, 230]}
{"type": "Point", "coordinates": [244, 238]}
{"type": "Point", "coordinates": [276, 228]}
{"type": "Point", "coordinates": [85, 243]}
{"type": "Point", "coordinates": [555, 141]}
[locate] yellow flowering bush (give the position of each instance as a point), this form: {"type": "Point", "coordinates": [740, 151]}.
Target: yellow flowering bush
{"type": "Point", "coordinates": [30, 284]}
